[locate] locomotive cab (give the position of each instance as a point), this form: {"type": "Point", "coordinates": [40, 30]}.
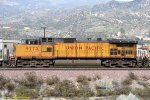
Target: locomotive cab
{"type": "Point", "coordinates": [34, 52]}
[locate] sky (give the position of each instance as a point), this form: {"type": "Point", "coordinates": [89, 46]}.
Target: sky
{"type": "Point", "coordinates": [124, 0]}
{"type": "Point", "coordinates": [62, 2]}
{"type": "Point", "coordinates": [65, 0]}
{"type": "Point", "coordinates": [99, 0]}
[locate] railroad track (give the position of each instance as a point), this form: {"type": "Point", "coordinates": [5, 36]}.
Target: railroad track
{"type": "Point", "coordinates": [74, 68]}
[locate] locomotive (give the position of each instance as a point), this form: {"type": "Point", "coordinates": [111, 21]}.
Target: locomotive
{"type": "Point", "coordinates": [43, 52]}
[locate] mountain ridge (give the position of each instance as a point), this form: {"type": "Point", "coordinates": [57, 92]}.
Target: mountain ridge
{"type": "Point", "coordinates": [100, 20]}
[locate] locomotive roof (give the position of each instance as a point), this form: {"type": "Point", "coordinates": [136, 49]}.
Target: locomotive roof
{"type": "Point", "coordinates": [71, 40]}
{"type": "Point", "coordinates": [122, 41]}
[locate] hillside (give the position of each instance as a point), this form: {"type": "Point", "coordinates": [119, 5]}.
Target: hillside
{"type": "Point", "coordinates": [100, 20]}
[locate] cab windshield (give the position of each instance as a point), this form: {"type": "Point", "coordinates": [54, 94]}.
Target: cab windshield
{"type": "Point", "coordinates": [30, 41]}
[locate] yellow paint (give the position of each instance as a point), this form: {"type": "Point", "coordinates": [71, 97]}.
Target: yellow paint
{"type": "Point", "coordinates": [38, 51]}
{"type": "Point", "coordinates": [79, 49]}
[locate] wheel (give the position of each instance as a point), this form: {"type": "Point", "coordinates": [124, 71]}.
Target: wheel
{"type": "Point", "coordinates": [119, 63]}
{"type": "Point", "coordinates": [107, 63]}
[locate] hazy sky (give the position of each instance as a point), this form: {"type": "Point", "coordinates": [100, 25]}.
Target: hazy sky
{"type": "Point", "coordinates": [124, 0]}
{"type": "Point", "coordinates": [59, 2]}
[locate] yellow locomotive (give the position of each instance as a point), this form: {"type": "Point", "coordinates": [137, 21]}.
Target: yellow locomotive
{"type": "Point", "coordinates": [43, 52]}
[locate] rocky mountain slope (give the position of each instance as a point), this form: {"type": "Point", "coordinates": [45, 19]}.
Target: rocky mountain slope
{"type": "Point", "coordinates": [100, 20]}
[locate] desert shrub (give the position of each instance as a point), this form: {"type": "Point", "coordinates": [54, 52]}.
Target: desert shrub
{"type": "Point", "coordinates": [50, 93]}
{"type": "Point", "coordinates": [146, 85]}
{"type": "Point", "coordinates": [83, 79]}
{"type": "Point", "coordinates": [133, 76]}
{"type": "Point", "coordinates": [85, 91]}
{"type": "Point", "coordinates": [122, 90]}
{"type": "Point", "coordinates": [101, 92]}
{"type": "Point", "coordinates": [100, 87]}
{"type": "Point", "coordinates": [116, 84]}
{"type": "Point", "coordinates": [65, 88]}
{"type": "Point", "coordinates": [97, 77]}
{"type": "Point", "coordinates": [39, 98]}
{"type": "Point", "coordinates": [3, 82]}
{"type": "Point", "coordinates": [145, 78]}
{"type": "Point", "coordinates": [10, 86]}
{"type": "Point", "coordinates": [142, 92]}
{"type": "Point", "coordinates": [26, 92]}
{"type": "Point", "coordinates": [53, 80]}
{"type": "Point", "coordinates": [127, 81]}
{"type": "Point", "coordinates": [31, 80]}
{"type": "Point", "coordinates": [32, 77]}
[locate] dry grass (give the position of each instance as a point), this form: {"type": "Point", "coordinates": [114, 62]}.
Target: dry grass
{"type": "Point", "coordinates": [31, 84]}
{"type": "Point", "coordinates": [97, 77]}
{"type": "Point", "coordinates": [10, 86]}
{"type": "Point", "coordinates": [116, 84]}
{"type": "Point", "coordinates": [143, 92]}
{"type": "Point", "coordinates": [126, 82]}
{"type": "Point", "coordinates": [133, 76]}
{"type": "Point", "coordinates": [31, 80]}
{"type": "Point", "coordinates": [85, 91]}
{"type": "Point", "coordinates": [3, 82]}
{"type": "Point", "coordinates": [101, 92]}
{"type": "Point", "coordinates": [145, 78]}
{"type": "Point", "coordinates": [65, 88]}
{"type": "Point", "coordinates": [26, 92]}
{"type": "Point", "coordinates": [83, 80]}
{"type": "Point", "coordinates": [53, 80]}
{"type": "Point", "coordinates": [123, 90]}
{"type": "Point", "coordinates": [145, 84]}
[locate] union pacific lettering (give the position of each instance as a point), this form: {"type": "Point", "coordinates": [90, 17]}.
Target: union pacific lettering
{"type": "Point", "coordinates": [74, 47]}
{"type": "Point", "coordinates": [82, 48]}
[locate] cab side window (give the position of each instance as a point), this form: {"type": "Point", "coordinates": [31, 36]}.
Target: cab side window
{"type": "Point", "coordinates": [49, 49]}
{"type": "Point", "coordinates": [32, 42]}
{"type": "Point", "coordinates": [43, 39]}
{"type": "Point", "coordinates": [50, 40]}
